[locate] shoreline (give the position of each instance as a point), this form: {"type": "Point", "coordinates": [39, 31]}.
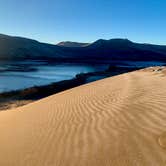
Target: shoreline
{"type": "Point", "coordinates": [16, 98]}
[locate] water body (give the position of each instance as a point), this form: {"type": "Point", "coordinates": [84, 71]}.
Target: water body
{"type": "Point", "coordinates": [23, 75]}
{"type": "Point", "coordinates": [20, 75]}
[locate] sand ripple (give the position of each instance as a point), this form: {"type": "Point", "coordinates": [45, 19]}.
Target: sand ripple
{"type": "Point", "coordinates": [118, 121]}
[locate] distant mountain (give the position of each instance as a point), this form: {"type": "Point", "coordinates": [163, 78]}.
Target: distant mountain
{"type": "Point", "coordinates": [23, 48]}
{"type": "Point", "coordinates": [18, 48]}
{"type": "Point", "coordinates": [111, 43]}
{"type": "Point", "coordinates": [124, 49]}
{"type": "Point", "coordinates": [72, 44]}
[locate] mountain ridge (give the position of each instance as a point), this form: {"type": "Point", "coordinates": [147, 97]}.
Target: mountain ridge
{"type": "Point", "coordinates": [72, 44]}
{"type": "Point", "coordinates": [19, 48]}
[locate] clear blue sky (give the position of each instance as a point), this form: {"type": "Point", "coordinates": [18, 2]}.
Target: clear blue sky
{"type": "Point", "coordinates": [84, 20]}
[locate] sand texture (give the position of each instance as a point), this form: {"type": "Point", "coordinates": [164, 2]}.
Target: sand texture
{"type": "Point", "coordinates": [118, 121]}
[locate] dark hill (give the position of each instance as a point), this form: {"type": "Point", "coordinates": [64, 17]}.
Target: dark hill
{"type": "Point", "coordinates": [22, 48]}
{"type": "Point", "coordinates": [17, 48]}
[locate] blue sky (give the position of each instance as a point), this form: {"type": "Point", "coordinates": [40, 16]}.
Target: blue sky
{"type": "Point", "coordinates": [85, 20]}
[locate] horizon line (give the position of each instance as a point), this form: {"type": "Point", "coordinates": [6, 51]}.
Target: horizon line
{"type": "Point", "coordinates": [55, 43]}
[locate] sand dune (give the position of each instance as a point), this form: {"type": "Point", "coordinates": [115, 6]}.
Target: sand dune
{"type": "Point", "coordinates": [118, 121]}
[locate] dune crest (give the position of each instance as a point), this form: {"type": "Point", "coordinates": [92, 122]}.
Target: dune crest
{"type": "Point", "coordinates": [118, 121]}
{"type": "Point", "coordinates": [162, 140]}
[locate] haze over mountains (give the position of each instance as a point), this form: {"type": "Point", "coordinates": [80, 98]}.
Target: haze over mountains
{"type": "Point", "coordinates": [72, 44]}
{"type": "Point", "coordinates": [18, 48]}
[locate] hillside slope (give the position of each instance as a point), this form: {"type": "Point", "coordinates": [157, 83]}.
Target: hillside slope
{"type": "Point", "coordinates": [22, 48]}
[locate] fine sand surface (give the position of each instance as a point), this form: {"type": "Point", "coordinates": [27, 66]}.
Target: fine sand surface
{"type": "Point", "coordinates": [118, 121]}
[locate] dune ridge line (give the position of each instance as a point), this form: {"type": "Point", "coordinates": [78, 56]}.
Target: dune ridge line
{"type": "Point", "coordinates": [117, 121]}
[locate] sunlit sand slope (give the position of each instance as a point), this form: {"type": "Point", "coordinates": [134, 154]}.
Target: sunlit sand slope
{"type": "Point", "coordinates": [118, 121]}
